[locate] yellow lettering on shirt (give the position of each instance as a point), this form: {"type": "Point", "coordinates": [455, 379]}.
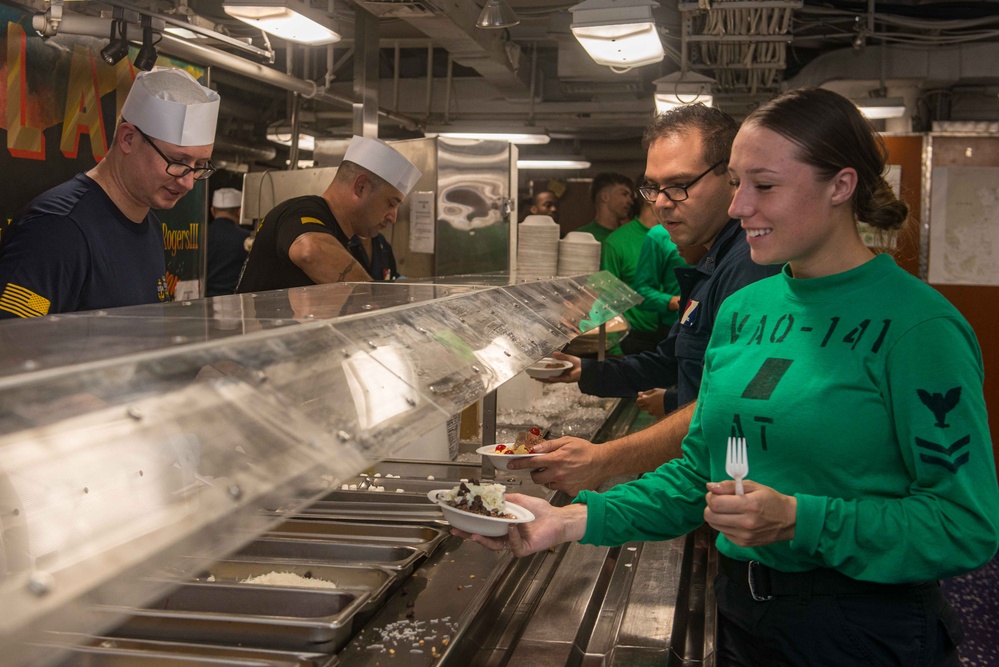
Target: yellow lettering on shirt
{"type": "Point", "coordinates": [311, 221]}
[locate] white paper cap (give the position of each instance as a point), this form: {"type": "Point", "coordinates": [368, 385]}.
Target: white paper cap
{"type": "Point", "coordinates": [382, 160]}
{"type": "Point", "coordinates": [227, 198]}
{"type": "Point", "coordinates": [170, 105]}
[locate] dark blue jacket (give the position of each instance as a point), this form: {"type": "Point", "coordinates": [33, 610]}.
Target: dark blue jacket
{"type": "Point", "coordinates": [679, 358]}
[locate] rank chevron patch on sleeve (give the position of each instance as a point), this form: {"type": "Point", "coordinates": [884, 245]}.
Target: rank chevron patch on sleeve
{"type": "Point", "coordinates": [944, 456]}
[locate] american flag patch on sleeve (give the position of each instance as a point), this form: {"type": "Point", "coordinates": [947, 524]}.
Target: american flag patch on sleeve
{"type": "Point", "coordinates": [23, 302]}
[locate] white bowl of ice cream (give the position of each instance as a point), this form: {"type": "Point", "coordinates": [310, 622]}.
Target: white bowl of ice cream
{"type": "Point", "coordinates": [548, 367]}
{"type": "Point", "coordinates": [490, 499]}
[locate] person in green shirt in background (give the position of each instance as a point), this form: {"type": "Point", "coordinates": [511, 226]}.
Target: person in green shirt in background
{"type": "Point", "coordinates": [622, 256]}
{"type": "Point", "coordinates": [612, 196]}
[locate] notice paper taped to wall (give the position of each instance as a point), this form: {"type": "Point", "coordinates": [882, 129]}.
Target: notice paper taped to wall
{"type": "Point", "coordinates": [964, 226]}
{"type": "Point", "coordinates": [421, 222]}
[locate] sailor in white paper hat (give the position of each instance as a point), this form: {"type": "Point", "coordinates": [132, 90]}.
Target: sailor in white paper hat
{"type": "Point", "coordinates": [307, 240]}
{"type": "Point", "coordinates": [92, 242]}
{"type": "Point", "coordinates": [228, 243]}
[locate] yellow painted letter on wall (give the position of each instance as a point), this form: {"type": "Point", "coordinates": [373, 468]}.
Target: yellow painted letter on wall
{"type": "Point", "coordinates": [22, 141]}
{"type": "Point", "coordinates": [83, 107]}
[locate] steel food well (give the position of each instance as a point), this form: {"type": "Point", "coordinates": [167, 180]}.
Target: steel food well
{"type": "Point", "coordinates": [119, 652]}
{"type": "Point", "coordinates": [399, 558]}
{"type": "Point", "coordinates": [375, 580]}
{"type": "Point", "coordinates": [260, 616]}
{"type": "Point", "coordinates": [425, 538]}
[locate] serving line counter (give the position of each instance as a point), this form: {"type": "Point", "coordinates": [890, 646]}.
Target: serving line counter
{"type": "Point", "coordinates": [153, 457]}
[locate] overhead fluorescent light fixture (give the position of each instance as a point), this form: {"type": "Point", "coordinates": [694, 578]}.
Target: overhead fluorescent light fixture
{"type": "Point", "coordinates": [549, 162]}
{"type": "Point", "coordinates": [292, 20]}
{"type": "Point", "coordinates": [678, 89]}
{"type": "Point", "coordinates": [618, 33]}
{"type": "Point", "coordinates": [282, 135]}
{"type": "Point", "coordinates": [496, 14]}
{"type": "Point", "coordinates": [515, 135]}
{"type": "Point", "coordinates": [877, 108]}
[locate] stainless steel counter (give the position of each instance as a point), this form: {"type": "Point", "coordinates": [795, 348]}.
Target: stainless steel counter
{"type": "Point", "coordinates": [445, 601]}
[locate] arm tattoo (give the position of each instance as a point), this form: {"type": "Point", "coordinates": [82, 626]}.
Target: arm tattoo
{"type": "Point", "coordinates": [343, 274]}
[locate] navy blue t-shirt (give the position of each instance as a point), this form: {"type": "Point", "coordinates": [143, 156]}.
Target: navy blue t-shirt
{"type": "Point", "coordinates": [72, 249]}
{"type": "Point", "coordinates": [226, 254]}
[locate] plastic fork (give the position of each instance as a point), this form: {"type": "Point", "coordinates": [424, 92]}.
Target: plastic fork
{"type": "Point", "coordinates": [736, 463]}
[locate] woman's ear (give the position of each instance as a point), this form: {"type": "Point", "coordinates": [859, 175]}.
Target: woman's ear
{"type": "Point", "coordinates": [844, 183]}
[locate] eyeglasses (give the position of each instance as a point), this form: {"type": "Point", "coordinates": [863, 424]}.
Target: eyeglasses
{"type": "Point", "coordinates": [674, 193]}
{"type": "Point", "coordinates": [179, 169]}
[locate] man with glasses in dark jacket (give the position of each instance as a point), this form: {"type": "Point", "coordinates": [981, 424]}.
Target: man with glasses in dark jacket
{"type": "Point", "coordinates": [687, 183]}
{"type": "Point", "coordinates": [93, 242]}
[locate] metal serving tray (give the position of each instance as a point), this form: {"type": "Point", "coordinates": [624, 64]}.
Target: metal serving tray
{"type": "Point", "coordinates": [119, 652]}
{"type": "Point", "coordinates": [372, 506]}
{"type": "Point", "coordinates": [376, 580]}
{"type": "Point", "coordinates": [258, 616]}
{"type": "Point", "coordinates": [398, 558]}
{"type": "Point", "coordinates": [425, 538]}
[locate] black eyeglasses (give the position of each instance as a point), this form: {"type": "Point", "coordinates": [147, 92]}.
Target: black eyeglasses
{"type": "Point", "coordinates": [179, 169]}
{"type": "Point", "coordinates": [674, 193]}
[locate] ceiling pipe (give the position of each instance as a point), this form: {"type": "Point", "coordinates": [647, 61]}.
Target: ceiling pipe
{"type": "Point", "coordinates": [197, 53]}
{"type": "Point", "coordinates": [193, 27]}
{"type": "Point", "coordinates": [244, 151]}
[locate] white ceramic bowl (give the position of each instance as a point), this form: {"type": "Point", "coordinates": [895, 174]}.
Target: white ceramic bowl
{"type": "Point", "coordinates": [499, 459]}
{"type": "Point", "coordinates": [479, 523]}
{"type": "Point", "coordinates": [541, 369]}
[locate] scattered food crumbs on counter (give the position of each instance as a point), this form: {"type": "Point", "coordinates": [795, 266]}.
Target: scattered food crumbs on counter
{"type": "Point", "coordinates": [411, 635]}
{"type": "Point", "coordinates": [471, 576]}
{"type": "Point", "coordinates": [211, 577]}
{"type": "Point", "coordinates": [400, 490]}
{"type": "Point", "coordinates": [431, 477]}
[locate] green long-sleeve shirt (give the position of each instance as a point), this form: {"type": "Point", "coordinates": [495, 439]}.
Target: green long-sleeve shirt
{"type": "Point", "coordinates": [654, 278]}
{"type": "Point", "coordinates": [619, 256]}
{"type": "Point", "coordinates": [860, 394]}
{"type": "Point", "coordinates": [599, 232]}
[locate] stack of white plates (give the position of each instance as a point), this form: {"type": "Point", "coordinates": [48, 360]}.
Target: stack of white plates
{"type": "Point", "coordinates": [537, 247]}
{"type": "Point", "coordinates": [578, 253]}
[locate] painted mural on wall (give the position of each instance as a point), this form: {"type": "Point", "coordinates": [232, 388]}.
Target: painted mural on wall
{"type": "Point", "coordinates": [60, 104]}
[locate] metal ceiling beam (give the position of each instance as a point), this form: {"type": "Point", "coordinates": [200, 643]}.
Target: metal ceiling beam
{"type": "Point", "coordinates": [204, 55]}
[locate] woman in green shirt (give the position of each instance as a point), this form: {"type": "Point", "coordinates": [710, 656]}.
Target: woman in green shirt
{"type": "Point", "coordinates": [871, 472]}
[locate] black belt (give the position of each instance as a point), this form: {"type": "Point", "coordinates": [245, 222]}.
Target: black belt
{"type": "Point", "coordinates": [765, 583]}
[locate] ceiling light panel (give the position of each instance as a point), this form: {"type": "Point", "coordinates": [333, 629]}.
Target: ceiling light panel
{"type": "Point", "coordinates": [292, 20]}
{"type": "Point", "coordinates": [618, 33]}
